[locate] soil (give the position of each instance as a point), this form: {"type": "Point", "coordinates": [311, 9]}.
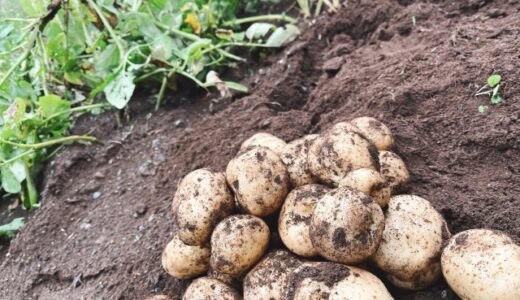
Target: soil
{"type": "Point", "coordinates": [106, 210]}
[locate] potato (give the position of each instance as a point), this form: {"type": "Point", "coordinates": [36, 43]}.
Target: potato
{"type": "Point", "coordinates": [183, 261]}
{"type": "Point", "coordinates": [412, 242]}
{"type": "Point", "coordinates": [369, 182]}
{"type": "Point", "coordinates": [482, 264]}
{"type": "Point", "coordinates": [313, 280]}
{"type": "Point", "coordinates": [393, 170]}
{"type": "Point", "coordinates": [295, 218]}
{"type": "Point", "coordinates": [259, 179]}
{"type": "Point", "coordinates": [237, 243]}
{"type": "Point", "coordinates": [266, 140]}
{"type": "Point", "coordinates": [206, 288]}
{"type": "Point", "coordinates": [370, 129]}
{"type": "Point", "coordinates": [294, 156]}
{"type": "Point", "coordinates": [204, 201]}
{"type": "Point", "coordinates": [359, 285]}
{"type": "Point", "coordinates": [333, 155]}
{"type": "Point", "coordinates": [268, 279]}
{"type": "Point", "coordinates": [346, 226]}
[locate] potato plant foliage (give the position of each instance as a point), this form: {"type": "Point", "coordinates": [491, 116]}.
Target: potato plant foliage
{"type": "Point", "coordinates": [61, 57]}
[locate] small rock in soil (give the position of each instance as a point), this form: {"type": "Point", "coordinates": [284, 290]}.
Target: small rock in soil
{"type": "Point", "coordinates": [96, 195]}
{"type": "Point", "coordinates": [496, 13]}
{"type": "Point", "coordinates": [99, 175]}
{"type": "Point", "coordinates": [147, 168]}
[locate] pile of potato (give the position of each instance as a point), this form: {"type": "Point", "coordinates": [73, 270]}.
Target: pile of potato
{"type": "Point", "coordinates": [335, 202]}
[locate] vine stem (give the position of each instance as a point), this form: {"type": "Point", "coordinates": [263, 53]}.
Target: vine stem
{"type": "Point", "coordinates": [282, 18]}
{"type": "Point", "coordinates": [24, 55]}
{"type": "Point", "coordinates": [70, 138]}
{"type": "Point", "coordinates": [12, 159]}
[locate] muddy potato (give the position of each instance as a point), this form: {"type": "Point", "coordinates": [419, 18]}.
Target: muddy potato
{"type": "Point", "coordinates": [204, 202]}
{"type": "Point", "coordinates": [294, 156]}
{"type": "Point", "coordinates": [264, 139]}
{"type": "Point", "coordinates": [183, 261]}
{"type": "Point", "coordinates": [359, 285]}
{"type": "Point", "coordinates": [295, 217]}
{"type": "Point", "coordinates": [393, 170]}
{"type": "Point", "coordinates": [333, 155]}
{"type": "Point", "coordinates": [412, 242]}
{"type": "Point", "coordinates": [369, 182]}
{"type": "Point", "coordinates": [206, 288]}
{"type": "Point", "coordinates": [481, 264]}
{"type": "Point", "coordinates": [346, 226]}
{"type": "Point", "coordinates": [259, 179]}
{"type": "Point", "coordinates": [237, 243]}
{"type": "Point", "coordinates": [371, 129]}
{"type": "Point", "coordinates": [268, 279]}
{"type": "Point", "coordinates": [314, 280]}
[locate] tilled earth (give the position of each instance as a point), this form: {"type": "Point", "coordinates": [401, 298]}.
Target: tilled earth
{"type": "Point", "coordinates": [106, 210]}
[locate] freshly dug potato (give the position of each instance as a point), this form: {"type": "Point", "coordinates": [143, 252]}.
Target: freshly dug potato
{"type": "Point", "coordinates": [481, 264]}
{"type": "Point", "coordinates": [369, 182]}
{"type": "Point", "coordinates": [206, 288]}
{"type": "Point", "coordinates": [371, 129]}
{"type": "Point", "coordinates": [295, 218]}
{"type": "Point", "coordinates": [333, 155]}
{"type": "Point", "coordinates": [359, 285]}
{"type": "Point", "coordinates": [237, 243]}
{"type": "Point", "coordinates": [204, 201]}
{"type": "Point", "coordinates": [294, 156]}
{"type": "Point", "coordinates": [346, 226]}
{"type": "Point", "coordinates": [183, 261]}
{"type": "Point", "coordinates": [264, 139]}
{"type": "Point", "coordinates": [314, 280]}
{"type": "Point", "coordinates": [412, 242]}
{"type": "Point", "coordinates": [259, 179]}
{"type": "Point", "coordinates": [393, 170]}
{"type": "Point", "coordinates": [268, 279]}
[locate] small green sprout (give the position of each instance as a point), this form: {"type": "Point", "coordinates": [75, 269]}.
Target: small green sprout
{"type": "Point", "coordinates": [491, 89]}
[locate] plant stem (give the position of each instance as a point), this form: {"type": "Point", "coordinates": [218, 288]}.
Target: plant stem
{"type": "Point", "coordinates": [12, 159]}
{"type": "Point", "coordinates": [77, 109]}
{"type": "Point", "coordinates": [283, 18]}
{"type": "Point", "coordinates": [160, 96]}
{"type": "Point", "coordinates": [70, 138]}
{"type": "Point", "coordinates": [109, 28]}
{"type": "Point", "coordinates": [24, 55]}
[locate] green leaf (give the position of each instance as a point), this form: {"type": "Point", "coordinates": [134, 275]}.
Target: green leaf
{"type": "Point", "coordinates": [10, 183]}
{"type": "Point", "coordinates": [9, 228]}
{"type": "Point", "coordinates": [496, 99]}
{"type": "Point", "coordinates": [258, 30]}
{"type": "Point", "coordinates": [52, 104]}
{"type": "Point", "coordinates": [282, 36]}
{"type": "Point", "coordinates": [162, 47]}
{"type": "Point", "coordinates": [482, 108]}
{"type": "Point", "coordinates": [107, 60]}
{"type": "Point", "coordinates": [18, 170]}
{"type": "Point", "coordinates": [33, 8]}
{"type": "Point", "coordinates": [494, 80]}
{"type": "Point", "coordinates": [120, 90]}
{"type": "Point", "coordinates": [236, 86]}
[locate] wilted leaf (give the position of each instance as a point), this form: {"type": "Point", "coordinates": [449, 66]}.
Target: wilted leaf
{"type": "Point", "coordinates": [282, 36]}
{"type": "Point", "coordinates": [258, 30]}
{"type": "Point", "coordinates": [120, 90]}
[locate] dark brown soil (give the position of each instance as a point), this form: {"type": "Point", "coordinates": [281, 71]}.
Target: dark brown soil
{"type": "Point", "coordinates": [369, 59]}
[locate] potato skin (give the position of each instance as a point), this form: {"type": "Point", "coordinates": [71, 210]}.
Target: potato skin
{"type": "Point", "coordinates": [264, 139]}
{"type": "Point", "coordinates": [412, 242]}
{"type": "Point", "coordinates": [294, 156]}
{"type": "Point", "coordinates": [204, 201]}
{"type": "Point", "coordinates": [314, 280]}
{"type": "Point", "coordinates": [237, 243]}
{"type": "Point", "coordinates": [394, 171]}
{"type": "Point", "coordinates": [346, 226]}
{"type": "Point", "coordinates": [268, 279]}
{"type": "Point", "coordinates": [482, 264]}
{"type": "Point", "coordinates": [183, 261]}
{"type": "Point", "coordinates": [333, 155]}
{"type": "Point", "coordinates": [295, 218]}
{"type": "Point", "coordinates": [259, 179]}
{"type": "Point", "coordinates": [359, 285]}
{"type": "Point", "coordinates": [369, 182]}
{"type": "Point", "coordinates": [209, 288]}
{"type": "Point", "coordinates": [370, 129]}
